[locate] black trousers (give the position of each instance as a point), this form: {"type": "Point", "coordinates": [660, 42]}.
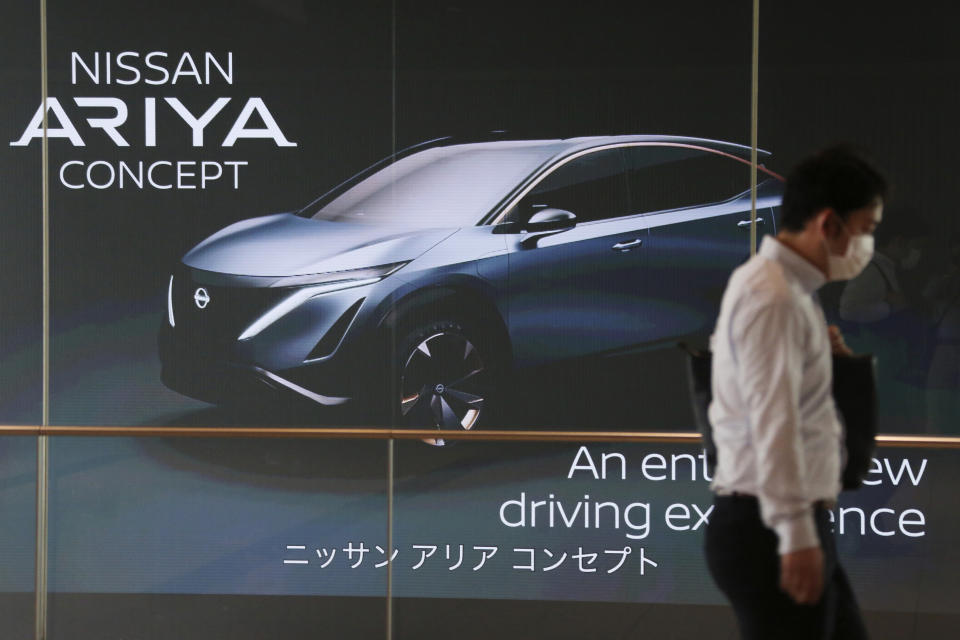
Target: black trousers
{"type": "Point", "coordinates": [743, 560]}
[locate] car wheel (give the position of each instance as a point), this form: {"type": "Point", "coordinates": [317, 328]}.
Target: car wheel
{"type": "Point", "coordinates": [446, 379]}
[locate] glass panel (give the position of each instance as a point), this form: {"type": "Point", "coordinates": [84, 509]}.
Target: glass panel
{"type": "Point", "coordinates": [505, 539]}
{"type": "Point", "coordinates": [239, 538]}
{"type": "Point", "coordinates": [21, 279]}
{"type": "Point", "coordinates": [21, 302]}
{"type": "Point", "coordinates": [892, 94]}
{"type": "Point", "coordinates": [571, 309]}
{"type": "Point", "coordinates": [236, 112]}
{"type": "Point", "coordinates": [18, 489]}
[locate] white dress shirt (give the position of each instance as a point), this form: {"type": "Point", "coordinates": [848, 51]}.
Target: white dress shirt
{"type": "Point", "coordinates": [774, 420]}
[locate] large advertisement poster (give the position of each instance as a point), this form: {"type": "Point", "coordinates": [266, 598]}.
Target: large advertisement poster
{"type": "Point", "coordinates": [453, 216]}
{"type": "Point", "coordinates": [387, 216]}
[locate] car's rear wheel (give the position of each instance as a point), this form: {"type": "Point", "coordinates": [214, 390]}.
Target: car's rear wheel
{"type": "Point", "coordinates": [447, 378]}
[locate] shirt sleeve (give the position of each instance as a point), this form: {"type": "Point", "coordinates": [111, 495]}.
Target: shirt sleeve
{"type": "Point", "coordinates": [769, 350]}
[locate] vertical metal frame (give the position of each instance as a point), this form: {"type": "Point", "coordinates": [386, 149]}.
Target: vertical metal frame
{"type": "Point", "coordinates": [390, 477]}
{"type": "Point", "coordinates": [390, 443]}
{"type": "Point", "coordinates": [43, 445]}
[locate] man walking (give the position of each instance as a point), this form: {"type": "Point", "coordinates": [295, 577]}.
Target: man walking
{"type": "Point", "coordinates": [779, 441]}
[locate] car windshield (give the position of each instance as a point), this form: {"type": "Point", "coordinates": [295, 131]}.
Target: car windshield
{"type": "Point", "coordinates": [451, 186]}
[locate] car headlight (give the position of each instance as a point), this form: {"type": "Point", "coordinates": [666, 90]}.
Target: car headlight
{"type": "Point", "coordinates": [170, 317]}
{"type": "Point", "coordinates": [316, 284]}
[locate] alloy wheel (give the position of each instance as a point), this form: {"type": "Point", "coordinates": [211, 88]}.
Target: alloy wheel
{"type": "Point", "coordinates": [442, 384]}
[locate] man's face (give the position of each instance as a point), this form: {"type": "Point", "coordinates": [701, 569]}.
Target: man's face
{"type": "Point", "coordinates": [861, 221]}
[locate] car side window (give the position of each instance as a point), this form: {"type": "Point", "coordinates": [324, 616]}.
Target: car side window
{"type": "Point", "coordinates": [662, 178]}
{"type": "Point", "coordinates": [592, 186]}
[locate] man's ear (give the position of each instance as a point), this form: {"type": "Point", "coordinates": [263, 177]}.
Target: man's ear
{"type": "Point", "coordinates": [824, 221]}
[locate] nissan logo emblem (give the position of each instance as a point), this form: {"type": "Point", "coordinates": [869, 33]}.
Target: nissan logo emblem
{"type": "Point", "coordinates": [201, 297]}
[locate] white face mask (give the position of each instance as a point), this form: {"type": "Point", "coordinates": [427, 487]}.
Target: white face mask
{"type": "Point", "coordinates": [850, 264]}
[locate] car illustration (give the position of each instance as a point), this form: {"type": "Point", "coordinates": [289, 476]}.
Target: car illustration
{"type": "Point", "coordinates": [416, 288]}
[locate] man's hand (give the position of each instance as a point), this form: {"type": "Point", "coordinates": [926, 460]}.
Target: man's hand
{"type": "Point", "coordinates": [801, 575]}
{"type": "Point", "coordinates": [837, 345]}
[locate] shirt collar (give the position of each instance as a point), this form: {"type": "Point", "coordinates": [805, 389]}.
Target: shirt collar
{"type": "Point", "coordinates": [794, 265]}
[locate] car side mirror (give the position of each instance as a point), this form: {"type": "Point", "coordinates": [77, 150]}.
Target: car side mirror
{"type": "Point", "coordinates": [551, 220]}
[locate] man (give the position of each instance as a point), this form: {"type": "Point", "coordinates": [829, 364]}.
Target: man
{"type": "Point", "coordinates": [769, 544]}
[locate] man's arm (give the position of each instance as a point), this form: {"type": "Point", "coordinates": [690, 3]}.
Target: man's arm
{"type": "Point", "coordinates": [801, 575]}
{"type": "Point", "coordinates": [837, 344]}
{"type": "Point", "coordinates": [769, 349]}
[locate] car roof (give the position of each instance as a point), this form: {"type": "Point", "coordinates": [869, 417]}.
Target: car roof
{"type": "Point", "coordinates": [719, 145]}
{"type": "Point", "coordinates": [549, 150]}
{"type": "Point", "coordinates": [565, 146]}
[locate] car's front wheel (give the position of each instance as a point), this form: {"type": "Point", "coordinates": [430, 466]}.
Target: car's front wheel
{"type": "Point", "coordinates": [447, 378]}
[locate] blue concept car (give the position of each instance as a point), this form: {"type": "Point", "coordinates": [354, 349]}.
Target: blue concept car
{"type": "Point", "coordinates": [415, 287]}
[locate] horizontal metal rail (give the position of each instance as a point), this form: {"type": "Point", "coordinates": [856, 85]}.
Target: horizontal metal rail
{"type": "Point", "coordinates": [680, 437]}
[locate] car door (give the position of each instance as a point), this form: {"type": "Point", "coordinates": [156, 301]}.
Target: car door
{"type": "Point", "coordinates": [575, 292]}
{"type": "Point", "coordinates": [697, 201]}
{"type": "Point", "coordinates": [697, 206]}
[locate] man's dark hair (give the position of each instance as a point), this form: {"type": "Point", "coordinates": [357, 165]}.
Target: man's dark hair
{"type": "Point", "coordinates": [838, 177]}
